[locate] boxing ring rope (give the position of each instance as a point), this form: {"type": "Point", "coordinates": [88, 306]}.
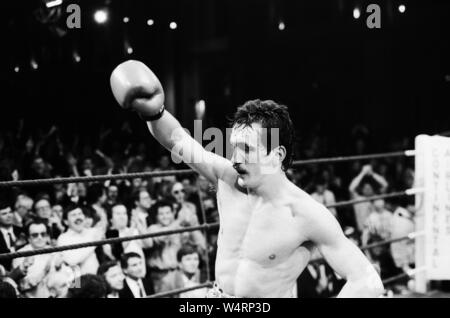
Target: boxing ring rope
{"type": "Point", "coordinates": [403, 153]}
{"type": "Point", "coordinates": [206, 226]}
{"type": "Point", "coordinates": [96, 178]}
{"type": "Point", "coordinates": [407, 192]}
{"type": "Point", "coordinates": [409, 273]}
{"type": "Point", "coordinates": [106, 241]}
{"type": "Point", "coordinates": [178, 291]}
{"type": "Point", "coordinates": [153, 174]}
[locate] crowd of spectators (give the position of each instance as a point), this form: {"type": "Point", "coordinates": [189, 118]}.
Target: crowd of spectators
{"type": "Point", "coordinates": [41, 216]}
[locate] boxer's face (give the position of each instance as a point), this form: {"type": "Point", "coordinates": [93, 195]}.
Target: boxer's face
{"type": "Point", "coordinates": [250, 156]}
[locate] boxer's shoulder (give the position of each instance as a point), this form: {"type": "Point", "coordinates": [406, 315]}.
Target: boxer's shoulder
{"type": "Point", "coordinates": [304, 206]}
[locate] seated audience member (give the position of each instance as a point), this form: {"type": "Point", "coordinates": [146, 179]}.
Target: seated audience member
{"type": "Point", "coordinates": [164, 165]}
{"type": "Point", "coordinates": [112, 195]}
{"type": "Point", "coordinates": [23, 209]}
{"type": "Point", "coordinates": [163, 253]}
{"type": "Point", "coordinates": [114, 277]}
{"type": "Point", "coordinates": [33, 284]}
{"type": "Point", "coordinates": [363, 181]}
{"type": "Point", "coordinates": [381, 258]}
{"type": "Point", "coordinates": [140, 215]}
{"type": "Point", "coordinates": [14, 276]}
{"type": "Point", "coordinates": [90, 286]}
{"type": "Point", "coordinates": [317, 281]}
{"type": "Point", "coordinates": [59, 282]}
{"type": "Point", "coordinates": [352, 235]}
{"type": "Point", "coordinates": [323, 195]}
{"type": "Point", "coordinates": [44, 212]}
{"type": "Point", "coordinates": [119, 228]}
{"type": "Point", "coordinates": [84, 258]}
{"type": "Point", "coordinates": [9, 234]}
{"type": "Point", "coordinates": [136, 283]}
{"type": "Point", "coordinates": [90, 216]}
{"type": "Point", "coordinates": [379, 222]}
{"type": "Point", "coordinates": [96, 199]}
{"type": "Point", "coordinates": [403, 252]}
{"type": "Point", "coordinates": [187, 274]}
{"type": "Point", "coordinates": [57, 211]}
{"type": "Point", "coordinates": [7, 291]}
{"type": "Point", "coordinates": [186, 215]}
{"type": "Point", "coordinates": [185, 212]}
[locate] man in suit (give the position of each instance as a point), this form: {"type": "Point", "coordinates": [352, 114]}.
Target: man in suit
{"type": "Point", "coordinates": [136, 284]}
{"type": "Point", "coordinates": [10, 235]}
{"type": "Point", "coordinates": [188, 274]}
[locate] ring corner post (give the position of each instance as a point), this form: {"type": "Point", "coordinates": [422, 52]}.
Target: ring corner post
{"type": "Point", "coordinates": [420, 285]}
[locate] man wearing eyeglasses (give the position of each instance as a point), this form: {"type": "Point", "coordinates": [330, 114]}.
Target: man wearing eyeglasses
{"type": "Point", "coordinates": [32, 285]}
{"type": "Point", "coordinates": [186, 212]}
{"type": "Point", "coordinates": [9, 233]}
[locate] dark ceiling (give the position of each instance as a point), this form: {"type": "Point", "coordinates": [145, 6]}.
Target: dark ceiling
{"type": "Point", "coordinates": [329, 68]}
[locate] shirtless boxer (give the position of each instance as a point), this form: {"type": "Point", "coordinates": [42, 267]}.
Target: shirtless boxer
{"type": "Point", "coordinates": [268, 226]}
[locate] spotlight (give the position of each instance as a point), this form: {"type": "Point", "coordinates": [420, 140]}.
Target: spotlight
{"type": "Point", "coordinates": [200, 107]}
{"type": "Point", "coordinates": [34, 65]}
{"type": "Point", "coordinates": [356, 13]}
{"type": "Point", "coordinates": [76, 57]}
{"type": "Point", "coordinates": [129, 50]}
{"type": "Point", "coordinates": [53, 3]}
{"type": "Point", "coordinates": [173, 25]}
{"type": "Point", "coordinates": [100, 16]}
{"type": "Point", "coordinates": [150, 22]}
{"type": "Point", "coordinates": [401, 8]}
{"type": "Point", "coordinates": [16, 69]}
{"type": "Point", "coordinates": [126, 19]}
{"type": "Point", "coordinates": [281, 26]}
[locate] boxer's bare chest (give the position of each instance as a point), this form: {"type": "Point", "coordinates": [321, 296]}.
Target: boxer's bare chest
{"type": "Point", "coordinates": [264, 232]}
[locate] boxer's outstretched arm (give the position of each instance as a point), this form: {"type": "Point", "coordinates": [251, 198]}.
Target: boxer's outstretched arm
{"type": "Point", "coordinates": [170, 134]}
{"type": "Point", "coordinates": [136, 87]}
{"type": "Point", "coordinates": [342, 255]}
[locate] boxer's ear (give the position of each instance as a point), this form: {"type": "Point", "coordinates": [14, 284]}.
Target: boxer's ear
{"type": "Point", "coordinates": [277, 156]}
{"type": "Point", "coordinates": [280, 152]}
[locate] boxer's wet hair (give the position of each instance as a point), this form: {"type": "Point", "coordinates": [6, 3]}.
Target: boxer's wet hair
{"type": "Point", "coordinates": [270, 115]}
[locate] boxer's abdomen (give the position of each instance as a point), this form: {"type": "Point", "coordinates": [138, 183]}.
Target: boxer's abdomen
{"type": "Point", "coordinates": [259, 248]}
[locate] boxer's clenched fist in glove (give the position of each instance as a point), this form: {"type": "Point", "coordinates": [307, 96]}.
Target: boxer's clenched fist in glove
{"type": "Point", "coordinates": [137, 88]}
